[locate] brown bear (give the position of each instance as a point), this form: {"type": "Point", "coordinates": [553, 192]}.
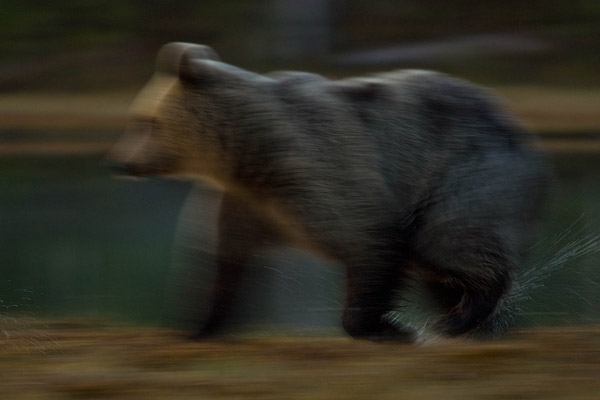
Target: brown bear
{"type": "Point", "coordinates": [406, 173]}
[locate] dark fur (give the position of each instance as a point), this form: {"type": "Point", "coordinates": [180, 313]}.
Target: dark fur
{"type": "Point", "coordinates": [403, 172]}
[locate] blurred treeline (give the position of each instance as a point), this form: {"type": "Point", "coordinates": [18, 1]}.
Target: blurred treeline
{"type": "Point", "coordinates": [85, 45]}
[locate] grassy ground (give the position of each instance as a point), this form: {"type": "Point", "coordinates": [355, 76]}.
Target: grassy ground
{"type": "Point", "coordinates": [84, 362]}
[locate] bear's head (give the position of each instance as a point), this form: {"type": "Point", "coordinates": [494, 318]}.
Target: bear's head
{"type": "Point", "coordinates": [180, 123]}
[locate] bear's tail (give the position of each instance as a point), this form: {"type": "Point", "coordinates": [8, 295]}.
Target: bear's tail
{"type": "Point", "coordinates": [543, 259]}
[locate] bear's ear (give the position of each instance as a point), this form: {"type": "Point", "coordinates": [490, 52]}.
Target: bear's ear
{"type": "Point", "coordinates": [171, 56]}
{"type": "Point", "coordinates": [207, 72]}
{"type": "Point", "coordinates": [359, 89]}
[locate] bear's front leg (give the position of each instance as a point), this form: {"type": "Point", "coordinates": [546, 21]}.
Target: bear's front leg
{"type": "Point", "coordinates": [243, 231]}
{"type": "Point", "coordinates": [370, 292]}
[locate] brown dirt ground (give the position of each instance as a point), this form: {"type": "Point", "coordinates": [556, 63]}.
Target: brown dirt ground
{"type": "Point", "coordinates": [75, 361]}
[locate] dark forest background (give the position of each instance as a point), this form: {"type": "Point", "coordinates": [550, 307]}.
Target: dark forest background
{"type": "Point", "coordinates": [108, 44]}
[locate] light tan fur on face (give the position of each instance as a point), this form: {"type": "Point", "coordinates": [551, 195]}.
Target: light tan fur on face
{"type": "Point", "coordinates": [160, 131]}
{"type": "Point", "coordinates": [151, 96]}
{"type": "Point", "coordinates": [133, 148]}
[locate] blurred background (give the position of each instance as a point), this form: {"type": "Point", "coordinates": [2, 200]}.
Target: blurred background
{"type": "Point", "coordinates": [77, 243]}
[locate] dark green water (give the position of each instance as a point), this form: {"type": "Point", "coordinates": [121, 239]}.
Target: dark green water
{"type": "Point", "coordinates": [76, 242]}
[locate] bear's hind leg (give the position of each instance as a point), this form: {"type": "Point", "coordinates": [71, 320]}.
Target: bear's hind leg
{"type": "Point", "coordinates": [467, 269]}
{"type": "Point", "coordinates": [466, 299]}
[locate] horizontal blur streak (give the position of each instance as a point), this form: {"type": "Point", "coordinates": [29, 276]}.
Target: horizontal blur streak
{"type": "Point", "coordinates": [567, 120]}
{"type": "Point", "coordinates": [451, 47]}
